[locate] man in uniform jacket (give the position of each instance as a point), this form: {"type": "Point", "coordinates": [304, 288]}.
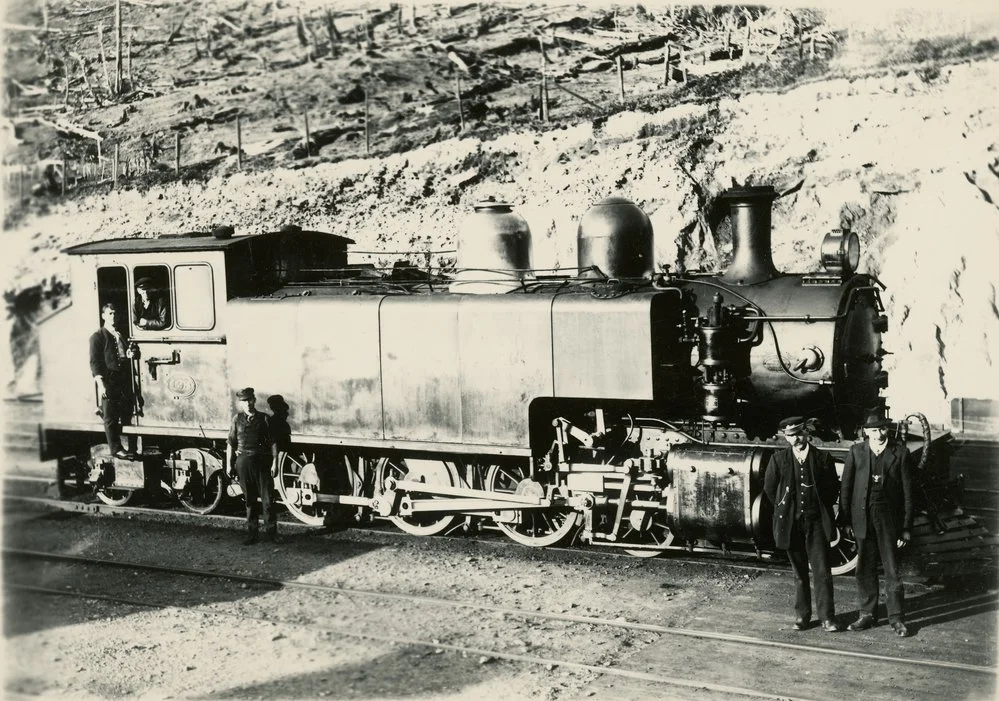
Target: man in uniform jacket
{"type": "Point", "coordinates": [252, 445]}
{"type": "Point", "coordinates": [876, 502]}
{"type": "Point", "coordinates": [110, 369]}
{"type": "Point", "coordinates": [801, 483]}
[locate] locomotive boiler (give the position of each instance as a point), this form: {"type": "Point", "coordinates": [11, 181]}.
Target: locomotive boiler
{"type": "Point", "coordinates": [620, 405]}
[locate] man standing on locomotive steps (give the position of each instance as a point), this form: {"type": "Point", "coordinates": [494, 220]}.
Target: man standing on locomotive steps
{"type": "Point", "coordinates": [876, 504]}
{"type": "Point", "coordinates": [110, 368]}
{"type": "Point", "coordinates": [256, 454]}
{"type": "Point", "coordinates": [801, 483]}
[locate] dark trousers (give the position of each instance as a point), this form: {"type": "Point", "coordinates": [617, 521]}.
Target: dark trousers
{"type": "Point", "coordinates": [254, 473]}
{"type": "Point", "coordinates": [810, 547]}
{"type": "Point", "coordinates": [116, 408]}
{"type": "Point", "coordinates": [879, 540]}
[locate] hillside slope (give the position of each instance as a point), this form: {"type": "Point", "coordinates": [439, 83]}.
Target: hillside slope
{"type": "Point", "coordinates": [907, 158]}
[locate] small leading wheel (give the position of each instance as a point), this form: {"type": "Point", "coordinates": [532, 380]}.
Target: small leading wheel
{"type": "Point", "coordinates": [843, 550]}
{"type": "Point", "coordinates": [428, 471]}
{"type": "Point", "coordinates": [537, 528]}
{"type": "Point", "coordinates": [650, 530]}
{"type": "Point", "coordinates": [206, 483]}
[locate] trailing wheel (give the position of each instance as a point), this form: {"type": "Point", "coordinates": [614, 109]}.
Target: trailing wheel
{"type": "Point", "coordinates": [104, 476]}
{"type": "Point", "coordinates": [428, 471]}
{"type": "Point", "coordinates": [206, 482]}
{"type": "Point", "coordinates": [536, 528]}
{"type": "Point", "coordinates": [115, 497]}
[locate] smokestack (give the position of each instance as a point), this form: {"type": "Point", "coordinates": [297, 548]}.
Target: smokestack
{"type": "Point", "coordinates": [749, 217]}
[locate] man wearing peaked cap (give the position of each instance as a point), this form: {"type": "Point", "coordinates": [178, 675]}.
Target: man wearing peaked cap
{"type": "Point", "coordinates": [255, 452]}
{"type": "Point", "coordinates": [150, 310]}
{"type": "Point", "coordinates": [801, 483]}
{"type": "Point", "coordinates": [876, 503]}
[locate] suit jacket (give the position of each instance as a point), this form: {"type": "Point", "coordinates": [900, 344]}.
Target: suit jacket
{"type": "Point", "coordinates": [897, 486]}
{"type": "Point", "coordinates": [104, 357]}
{"type": "Point", "coordinates": [779, 484]}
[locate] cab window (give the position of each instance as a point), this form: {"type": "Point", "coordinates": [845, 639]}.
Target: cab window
{"type": "Point", "coordinates": [195, 295]}
{"type": "Point", "coordinates": [112, 288]}
{"type": "Point", "coordinates": [151, 298]}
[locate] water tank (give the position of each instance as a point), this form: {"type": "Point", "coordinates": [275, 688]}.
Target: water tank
{"type": "Point", "coordinates": [615, 235]}
{"type": "Point", "coordinates": [494, 250]}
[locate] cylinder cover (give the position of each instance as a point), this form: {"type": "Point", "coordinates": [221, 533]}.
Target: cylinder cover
{"type": "Point", "coordinates": [713, 490]}
{"type": "Point", "coordinates": [615, 235]}
{"type": "Point", "coordinates": [494, 250]}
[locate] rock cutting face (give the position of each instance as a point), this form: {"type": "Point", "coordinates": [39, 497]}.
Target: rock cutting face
{"type": "Point", "coordinates": [904, 156]}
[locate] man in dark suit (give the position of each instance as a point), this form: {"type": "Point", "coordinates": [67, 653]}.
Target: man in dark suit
{"type": "Point", "coordinates": [876, 502]}
{"type": "Point", "coordinates": [110, 368]}
{"type": "Point", "coordinates": [801, 483]}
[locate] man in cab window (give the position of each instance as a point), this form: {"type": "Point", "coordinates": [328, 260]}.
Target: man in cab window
{"type": "Point", "coordinates": [150, 310]}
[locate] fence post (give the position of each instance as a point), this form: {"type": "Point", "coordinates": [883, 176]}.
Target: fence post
{"type": "Point", "coordinates": [117, 47]}
{"type": "Point", "coordinates": [728, 43]}
{"type": "Point", "coordinates": [457, 92]}
{"type": "Point", "coordinates": [239, 143]}
{"type": "Point", "coordinates": [114, 167]}
{"type": "Point", "coordinates": [811, 47]}
{"type": "Point", "coordinates": [64, 175]}
{"type": "Point", "coordinates": [20, 185]}
{"type": "Point", "coordinates": [544, 81]}
{"type": "Point", "coordinates": [308, 137]}
{"type": "Point", "coordinates": [667, 56]}
{"type": "Point", "coordinates": [620, 77]}
{"type": "Point", "coordinates": [367, 131]}
{"type": "Point", "coordinates": [176, 152]}
{"type": "Point", "coordinates": [749, 34]}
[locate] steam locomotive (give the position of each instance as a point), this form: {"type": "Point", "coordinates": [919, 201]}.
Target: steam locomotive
{"type": "Point", "coordinates": [617, 404]}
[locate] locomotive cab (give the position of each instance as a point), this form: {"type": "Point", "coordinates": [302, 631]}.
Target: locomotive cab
{"type": "Point", "coordinates": [171, 295]}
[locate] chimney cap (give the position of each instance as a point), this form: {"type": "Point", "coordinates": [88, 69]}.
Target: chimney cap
{"type": "Point", "coordinates": [750, 192]}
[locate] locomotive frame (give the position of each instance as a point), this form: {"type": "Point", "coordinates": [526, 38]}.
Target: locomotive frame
{"type": "Point", "coordinates": [617, 405]}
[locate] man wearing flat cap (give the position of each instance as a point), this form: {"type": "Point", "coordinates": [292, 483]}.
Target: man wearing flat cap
{"type": "Point", "coordinates": [876, 502]}
{"type": "Point", "coordinates": [801, 483]}
{"type": "Point", "coordinates": [150, 310]}
{"type": "Point", "coordinates": [256, 454]}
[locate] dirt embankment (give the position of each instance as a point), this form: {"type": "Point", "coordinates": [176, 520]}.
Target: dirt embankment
{"type": "Point", "coordinates": [905, 158]}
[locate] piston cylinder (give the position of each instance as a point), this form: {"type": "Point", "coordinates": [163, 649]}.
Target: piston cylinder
{"type": "Point", "coordinates": [494, 250]}
{"type": "Point", "coordinates": [714, 489]}
{"type": "Point", "coordinates": [615, 235]}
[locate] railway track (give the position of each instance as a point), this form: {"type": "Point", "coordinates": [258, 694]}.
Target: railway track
{"type": "Point", "coordinates": [947, 545]}
{"type": "Point", "coordinates": [383, 617]}
{"type": "Point", "coordinates": [489, 538]}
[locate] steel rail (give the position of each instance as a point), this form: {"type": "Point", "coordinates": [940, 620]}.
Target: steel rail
{"type": "Point", "coordinates": [513, 657]}
{"type": "Point", "coordinates": [706, 558]}
{"type": "Point", "coordinates": [571, 618]}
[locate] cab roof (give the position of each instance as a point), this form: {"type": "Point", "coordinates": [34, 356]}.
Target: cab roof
{"type": "Point", "coordinates": [196, 241]}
